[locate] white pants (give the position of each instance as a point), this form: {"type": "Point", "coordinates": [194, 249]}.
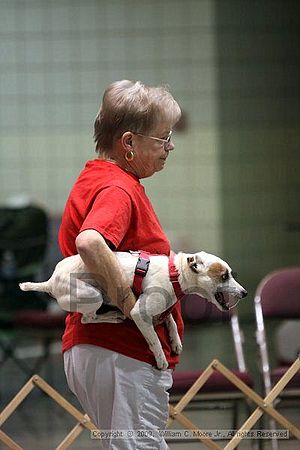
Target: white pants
{"type": "Point", "coordinates": [120, 393]}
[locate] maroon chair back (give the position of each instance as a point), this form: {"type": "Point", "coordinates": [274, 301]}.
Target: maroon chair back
{"type": "Point", "coordinates": [279, 293]}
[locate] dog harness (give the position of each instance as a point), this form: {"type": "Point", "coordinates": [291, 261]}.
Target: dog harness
{"type": "Point", "coordinates": [140, 272]}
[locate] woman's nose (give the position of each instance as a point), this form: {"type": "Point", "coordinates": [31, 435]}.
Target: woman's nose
{"type": "Point", "coordinates": [170, 146]}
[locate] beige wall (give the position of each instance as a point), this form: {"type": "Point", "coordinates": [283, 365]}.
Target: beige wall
{"type": "Point", "coordinates": [56, 59]}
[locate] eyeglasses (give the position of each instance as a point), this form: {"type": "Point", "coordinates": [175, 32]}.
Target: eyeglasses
{"type": "Point", "coordinates": [165, 142]}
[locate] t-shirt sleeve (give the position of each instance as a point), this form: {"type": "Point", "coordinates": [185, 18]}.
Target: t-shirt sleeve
{"type": "Point", "coordinates": [110, 214]}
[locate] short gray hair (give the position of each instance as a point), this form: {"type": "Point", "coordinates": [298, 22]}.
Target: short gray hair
{"type": "Point", "coordinates": [132, 106]}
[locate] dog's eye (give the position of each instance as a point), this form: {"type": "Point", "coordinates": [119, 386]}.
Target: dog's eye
{"type": "Point", "coordinates": [234, 275]}
{"type": "Point", "coordinates": [225, 276]}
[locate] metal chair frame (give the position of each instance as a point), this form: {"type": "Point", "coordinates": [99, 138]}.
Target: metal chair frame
{"type": "Point", "coordinates": [262, 342]}
{"type": "Point", "coordinates": [261, 336]}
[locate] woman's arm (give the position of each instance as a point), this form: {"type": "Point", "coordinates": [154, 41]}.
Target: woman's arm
{"type": "Point", "coordinates": [103, 264]}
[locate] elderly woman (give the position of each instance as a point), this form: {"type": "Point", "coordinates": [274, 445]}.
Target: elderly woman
{"type": "Point", "coordinates": [110, 367]}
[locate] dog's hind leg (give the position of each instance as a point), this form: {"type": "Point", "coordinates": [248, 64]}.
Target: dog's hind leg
{"type": "Point", "coordinates": [175, 340]}
{"type": "Point", "coordinates": [145, 326]}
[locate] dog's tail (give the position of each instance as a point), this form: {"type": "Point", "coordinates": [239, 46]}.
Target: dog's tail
{"type": "Point", "coordinates": [29, 286]}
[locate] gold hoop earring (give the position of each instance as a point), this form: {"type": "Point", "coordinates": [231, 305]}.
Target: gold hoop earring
{"type": "Point", "coordinates": [129, 156]}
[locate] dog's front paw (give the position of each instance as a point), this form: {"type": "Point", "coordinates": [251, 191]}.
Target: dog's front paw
{"type": "Point", "coordinates": [161, 362]}
{"type": "Point", "coordinates": [176, 346]}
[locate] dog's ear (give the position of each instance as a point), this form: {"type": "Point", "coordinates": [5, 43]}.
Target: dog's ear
{"type": "Point", "coordinates": [194, 264]}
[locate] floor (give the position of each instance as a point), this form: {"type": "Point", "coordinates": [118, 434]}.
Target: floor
{"type": "Point", "coordinates": [39, 424]}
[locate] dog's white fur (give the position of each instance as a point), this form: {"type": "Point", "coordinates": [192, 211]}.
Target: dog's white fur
{"type": "Point", "coordinates": [200, 273]}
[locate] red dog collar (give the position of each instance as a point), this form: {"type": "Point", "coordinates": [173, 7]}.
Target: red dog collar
{"type": "Point", "coordinates": [173, 274]}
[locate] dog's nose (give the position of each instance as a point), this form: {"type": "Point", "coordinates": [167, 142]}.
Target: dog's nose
{"type": "Point", "coordinates": [244, 293]}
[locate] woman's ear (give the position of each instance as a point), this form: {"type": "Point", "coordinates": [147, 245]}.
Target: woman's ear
{"type": "Point", "coordinates": [126, 140]}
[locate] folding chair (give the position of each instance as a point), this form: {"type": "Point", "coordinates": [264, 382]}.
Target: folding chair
{"type": "Point", "coordinates": [277, 299]}
{"type": "Point", "coordinates": [23, 244]}
{"type": "Point", "coordinates": [217, 392]}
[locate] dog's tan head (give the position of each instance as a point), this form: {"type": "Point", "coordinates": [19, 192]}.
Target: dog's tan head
{"type": "Point", "coordinates": [212, 278]}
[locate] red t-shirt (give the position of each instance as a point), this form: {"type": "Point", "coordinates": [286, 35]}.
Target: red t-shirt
{"type": "Point", "coordinates": [114, 203]}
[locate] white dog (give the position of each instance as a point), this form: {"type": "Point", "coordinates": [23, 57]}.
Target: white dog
{"type": "Point", "coordinates": [201, 273]}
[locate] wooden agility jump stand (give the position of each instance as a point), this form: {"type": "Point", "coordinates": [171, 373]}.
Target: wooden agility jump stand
{"type": "Point", "coordinates": [264, 405]}
{"type": "Point", "coordinates": [83, 421]}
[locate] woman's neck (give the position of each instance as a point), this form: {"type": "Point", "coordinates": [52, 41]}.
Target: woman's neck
{"type": "Point", "coordinates": [118, 159]}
